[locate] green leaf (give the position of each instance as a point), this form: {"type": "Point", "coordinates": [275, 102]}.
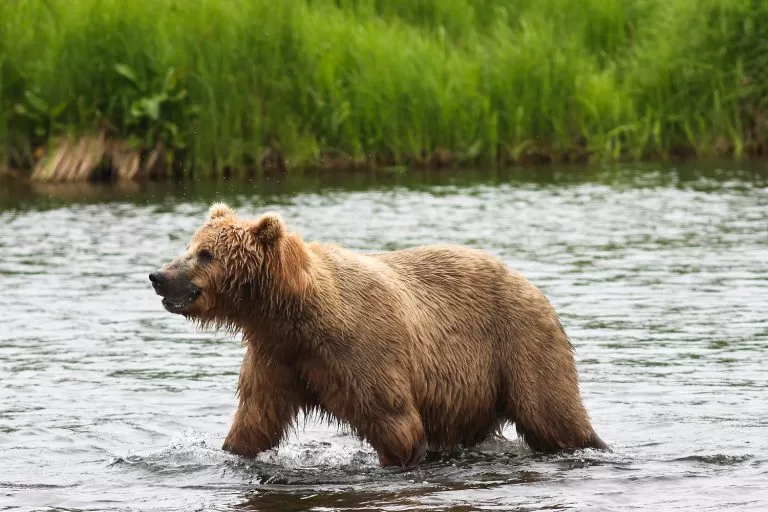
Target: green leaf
{"type": "Point", "coordinates": [178, 96]}
{"type": "Point", "coordinates": [21, 109]}
{"type": "Point", "coordinates": [151, 107]}
{"type": "Point", "coordinates": [58, 109]}
{"type": "Point", "coordinates": [175, 137]}
{"type": "Point", "coordinates": [475, 149]}
{"type": "Point", "coordinates": [36, 101]}
{"type": "Point", "coordinates": [170, 80]}
{"type": "Point", "coordinates": [127, 72]}
{"type": "Point", "coordinates": [137, 110]}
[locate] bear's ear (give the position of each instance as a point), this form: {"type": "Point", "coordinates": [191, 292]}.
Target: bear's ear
{"type": "Point", "coordinates": [218, 211]}
{"type": "Point", "coordinates": [269, 228]}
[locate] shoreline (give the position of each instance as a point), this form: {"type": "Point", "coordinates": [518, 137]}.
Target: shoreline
{"type": "Point", "coordinates": [700, 175]}
{"type": "Point", "coordinates": [97, 159]}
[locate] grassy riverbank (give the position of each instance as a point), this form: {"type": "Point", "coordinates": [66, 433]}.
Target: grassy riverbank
{"type": "Point", "coordinates": [237, 84]}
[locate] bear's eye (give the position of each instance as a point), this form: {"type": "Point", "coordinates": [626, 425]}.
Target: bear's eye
{"type": "Point", "coordinates": [205, 256]}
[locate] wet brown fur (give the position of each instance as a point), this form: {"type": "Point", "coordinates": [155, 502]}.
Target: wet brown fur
{"type": "Point", "coordinates": [425, 348]}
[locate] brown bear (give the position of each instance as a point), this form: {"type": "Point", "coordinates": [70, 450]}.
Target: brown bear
{"type": "Point", "coordinates": [426, 348]}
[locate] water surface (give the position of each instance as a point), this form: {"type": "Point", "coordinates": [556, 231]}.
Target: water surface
{"type": "Point", "coordinates": [107, 402]}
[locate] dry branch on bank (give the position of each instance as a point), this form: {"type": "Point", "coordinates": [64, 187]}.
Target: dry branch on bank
{"type": "Point", "coordinates": [97, 157]}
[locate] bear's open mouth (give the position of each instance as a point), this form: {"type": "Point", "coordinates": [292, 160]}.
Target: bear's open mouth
{"type": "Point", "coordinates": [180, 304]}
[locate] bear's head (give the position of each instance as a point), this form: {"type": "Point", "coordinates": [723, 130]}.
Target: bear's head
{"type": "Point", "coordinates": [234, 267]}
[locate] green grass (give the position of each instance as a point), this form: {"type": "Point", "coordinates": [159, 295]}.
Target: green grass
{"type": "Point", "coordinates": [492, 82]}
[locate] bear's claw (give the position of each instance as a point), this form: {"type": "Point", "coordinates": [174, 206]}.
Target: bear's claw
{"type": "Point", "coordinates": [417, 454]}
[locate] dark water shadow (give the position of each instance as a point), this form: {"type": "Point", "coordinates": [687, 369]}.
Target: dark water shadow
{"type": "Point", "coordinates": [366, 487]}
{"type": "Point", "coordinates": [375, 488]}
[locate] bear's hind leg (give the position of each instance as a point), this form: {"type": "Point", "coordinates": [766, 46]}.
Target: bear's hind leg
{"type": "Point", "coordinates": [543, 398]}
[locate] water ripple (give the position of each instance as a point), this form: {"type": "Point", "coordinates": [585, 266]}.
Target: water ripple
{"type": "Point", "coordinates": [108, 402]}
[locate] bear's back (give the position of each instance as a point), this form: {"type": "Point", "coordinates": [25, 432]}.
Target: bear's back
{"type": "Point", "coordinates": [428, 291]}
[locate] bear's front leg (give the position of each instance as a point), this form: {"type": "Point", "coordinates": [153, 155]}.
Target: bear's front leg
{"type": "Point", "coordinates": [399, 440]}
{"type": "Point", "coordinates": [270, 399]}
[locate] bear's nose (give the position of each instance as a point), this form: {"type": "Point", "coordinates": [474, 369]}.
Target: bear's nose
{"type": "Point", "coordinates": [156, 278]}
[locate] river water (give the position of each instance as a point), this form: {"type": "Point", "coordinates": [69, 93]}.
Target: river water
{"type": "Point", "coordinates": [107, 402]}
